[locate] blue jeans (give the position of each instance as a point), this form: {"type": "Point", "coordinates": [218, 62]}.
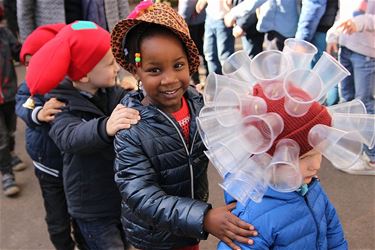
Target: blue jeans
{"type": "Point", "coordinates": [218, 43]}
{"type": "Point", "coordinates": [102, 233]}
{"type": "Point", "coordinates": [319, 40]}
{"type": "Point", "coordinates": [361, 82]}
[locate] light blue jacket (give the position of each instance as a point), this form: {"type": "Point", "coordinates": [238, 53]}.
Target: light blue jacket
{"type": "Point", "coordinates": [275, 15]}
{"type": "Point", "coordinates": [290, 221]}
{"type": "Point", "coordinates": [311, 13]}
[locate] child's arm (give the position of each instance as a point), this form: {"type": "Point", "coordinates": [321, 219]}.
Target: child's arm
{"type": "Point", "coordinates": [72, 134]}
{"type": "Point", "coordinates": [44, 112]}
{"type": "Point", "coordinates": [335, 233]}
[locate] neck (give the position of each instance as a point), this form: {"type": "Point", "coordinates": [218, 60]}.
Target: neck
{"type": "Point", "coordinates": [85, 87]}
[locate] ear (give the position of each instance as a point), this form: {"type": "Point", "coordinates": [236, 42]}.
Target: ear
{"type": "Point", "coordinates": [84, 79]}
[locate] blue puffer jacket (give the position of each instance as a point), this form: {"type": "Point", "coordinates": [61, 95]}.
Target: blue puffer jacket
{"type": "Point", "coordinates": [39, 145]}
{"type": "Point", "coordinates": [291, 221]}
{"type": "Point", "coordinates": [162, 181]}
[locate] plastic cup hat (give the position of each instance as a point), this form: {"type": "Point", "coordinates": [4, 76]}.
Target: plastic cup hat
{"type": "Point", "coordinates": [210, 129]}
{"type": "Point", "coordinates": [215, 82]}
{"type": "Point", "coordinates": [330, 71]}
{"type": "Point", "coordinates": [237, 66]}
{"type": "Point", "coordinates": [300, 52]}
{"type": "Point", "coordinates": [250, 181]}
{"type": "Point", "coordinates": [260, 131]}
{"type": "Point", "coordinates": [226, 155]}
{"type": "Point", "coordinates": [239, 105]}
{"type": "Point", "coordinates": [355, 106]}
{"type": "Point", "coordinates": [363, 124]}
{"type": "Point", "coordinates": [269, 68]}
{"type": "Point", "coordinates": [341, 148]}
{"type": "Point", "coordinates": [302, 87]}
{"type": "Point", "coordinates": [284, 167]}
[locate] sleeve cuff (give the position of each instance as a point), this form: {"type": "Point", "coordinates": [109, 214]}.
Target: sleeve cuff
{"type": "Point", "coordinates": [34, 115]}
{"type": "Point", "coordinates": [103, 132]}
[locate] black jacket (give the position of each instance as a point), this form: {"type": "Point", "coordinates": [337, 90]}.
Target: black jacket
{"type": "Point", "coordinates": [162, 181]}
{"type": "Point", "coordinates": [79, 132]}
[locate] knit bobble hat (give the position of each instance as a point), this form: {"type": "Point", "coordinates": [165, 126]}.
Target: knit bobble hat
{"type": "Point", "coordinates": [295, 128]}
{"type": "Point", "coordinates": [38, 38]}
{"type": "Point", "coordinates": [74, 52]}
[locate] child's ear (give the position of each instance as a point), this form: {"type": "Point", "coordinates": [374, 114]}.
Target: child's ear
{"type": "Point", "coordinates": [84, 79]}
{"type": "Point", "coordinates": [133, 70]}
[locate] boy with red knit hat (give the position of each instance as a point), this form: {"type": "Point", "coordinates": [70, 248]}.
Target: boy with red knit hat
{"type": "Point", "coordinates": [298, 218]}
{"type": "Point", "coordinates": [9, 49]}
{"type": "Point", "coordinates": [42, 150]}
{"type": "Point", "coordinates": [79, 64]}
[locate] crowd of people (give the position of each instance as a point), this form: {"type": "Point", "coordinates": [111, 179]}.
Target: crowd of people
{"type": "Point", "coordinates": [126, 166]}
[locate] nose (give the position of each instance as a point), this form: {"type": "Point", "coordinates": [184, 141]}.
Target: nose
{"type": "Point", "coordinates": [169, 77]}
{"type": "Point", "coordinates": [117, 68]}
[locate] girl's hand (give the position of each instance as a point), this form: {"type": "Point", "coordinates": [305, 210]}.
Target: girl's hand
{"type": "Point", "coordinates": [121, 118]}
{"type": "Point", "coordinates": [49, 110]}
{"type": "Point", "coordinates": [347, 27]}
{"type": "Point", "coordinates": [222, 224]}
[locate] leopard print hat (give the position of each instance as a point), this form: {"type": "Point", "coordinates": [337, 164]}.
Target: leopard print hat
{"type": "Point", "coordinates": [158, 13]}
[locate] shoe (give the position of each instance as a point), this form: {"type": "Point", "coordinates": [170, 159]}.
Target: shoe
{"type": "Point", "coordinates": [362, 167]}
{"type": "Point", "coordinates": [17, 164]}
{"type": "Point", "coordinates": [10, 187]}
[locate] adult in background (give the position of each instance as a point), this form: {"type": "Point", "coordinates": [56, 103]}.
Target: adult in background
{"type": "Point", "coordinates": [34, 13]}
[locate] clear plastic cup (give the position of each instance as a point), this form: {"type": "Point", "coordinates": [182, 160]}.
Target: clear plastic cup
{"type": "Point", "coordinates": [355, 106]}
{"type": "Point", "coordinates": [226, 155]}
{"type": "Point", "coordinates": [341, 148]}
{"type": "Point", "coordinates": [260, 131]}
{"type": "Point", "coordinates": [237, 66]}
{"type": "Point", "coordinates": [215, 82]}
{"type": "Point", "coordinates": [300, 52]}
{"type": "Point", "coordinates": [302, 87]}
{"type": "Point", "coordinates": [364, 124]}
{"type": "Point", "coordinates": [211, 130]}
{"type": "Point", "coordinates": [330, 71]}
{"type": "Point", "coordinates": [284, 167]}
{"type": "Point", "coordinates": [250, 180]}
{"type": "Point", "coordinates": [269, 69]}
{"type": "Point", "coordinates": [239, 104]}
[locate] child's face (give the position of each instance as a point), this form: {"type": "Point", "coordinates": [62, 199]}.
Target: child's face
{"type": "Point", "coordinates": [310, 164]}
{"type": "Point", "coordinates": [164, 72]}
{"type": "Point", "coordinates": [104, 74]}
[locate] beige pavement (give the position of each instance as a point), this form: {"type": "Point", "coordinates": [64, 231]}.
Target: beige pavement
{"type": "Point", "coordinates": [22, 225]}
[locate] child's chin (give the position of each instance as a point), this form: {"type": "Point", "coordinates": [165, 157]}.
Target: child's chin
{"type": "Point", "coordinates": [307, 180]}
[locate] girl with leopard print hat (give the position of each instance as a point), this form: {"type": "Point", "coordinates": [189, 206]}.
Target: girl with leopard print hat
{"type": "Point", "coordinates": [160, 167]}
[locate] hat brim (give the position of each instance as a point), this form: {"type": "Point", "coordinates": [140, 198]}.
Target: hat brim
{"type": "Point", "coordinates": [124, 26]}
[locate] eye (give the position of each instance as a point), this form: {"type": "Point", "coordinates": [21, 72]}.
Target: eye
{"type": "Point", "coordinates": [179, 65]}
{"type": "Point", "coordinates": [153, 70]}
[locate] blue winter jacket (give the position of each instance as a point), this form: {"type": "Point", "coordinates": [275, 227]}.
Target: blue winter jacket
{"type": "Point", "coordinates": [291, 221]}
{"type": "Point", "coordinates": [163, 181]}
{"type": "Point", "coordinates": [39, 145]}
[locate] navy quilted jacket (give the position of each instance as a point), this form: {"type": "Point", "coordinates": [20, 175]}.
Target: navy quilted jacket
{"type": "Point", "coordinates": [290, 221]}
{"type": "Point", "coordinates": [158, 177]}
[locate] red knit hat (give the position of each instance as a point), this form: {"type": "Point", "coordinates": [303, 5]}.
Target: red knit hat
{"type": "Point", "coordinates": [74, 52]}
{"type": "Point", "coordinates": [295, 128]}
{"type": "Point", "coordinates": [38, 38]}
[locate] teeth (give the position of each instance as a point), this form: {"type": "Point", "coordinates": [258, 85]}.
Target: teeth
{"type": "Point", "coordinates": [170, 92]}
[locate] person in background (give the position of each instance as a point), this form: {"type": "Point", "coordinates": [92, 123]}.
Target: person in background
{"type": "Point", "coordinates": [245, 27]}
{"type": "Point", "coordinates": [218, 42]}
{"type": "Point", "coordinates": [9, 161]}
{"type": "Point", "coordinates": [195, 22]}
{"type": "Point", "coordinates": [357, 55]}
{"type": "Point", "coordinates": [316, 18]}
{"type": "Point", "coordinates": [278, 19]}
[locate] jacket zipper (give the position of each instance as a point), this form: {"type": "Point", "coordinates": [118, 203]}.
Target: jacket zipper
{"type": "Point", "coordinates": [186, 149]}
{"type": "Point", "coordinates": [316, 223]}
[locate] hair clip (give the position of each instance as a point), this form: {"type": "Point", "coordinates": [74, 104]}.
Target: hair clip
{"type": "Point", "coordinates": [137, 60]}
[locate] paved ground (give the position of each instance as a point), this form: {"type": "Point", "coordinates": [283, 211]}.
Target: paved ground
{"type": "Point", "coordinates": [22, 224]}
